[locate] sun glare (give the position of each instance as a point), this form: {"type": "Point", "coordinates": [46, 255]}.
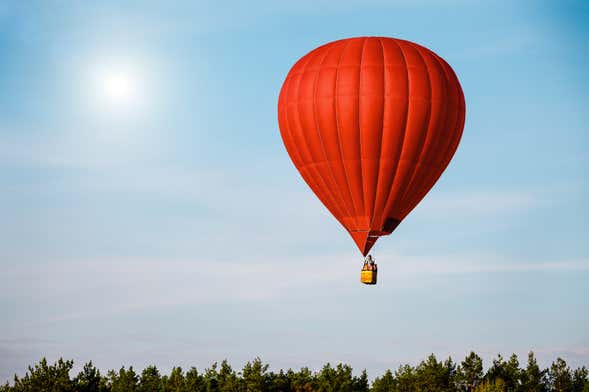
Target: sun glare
{"type": "Point", "coordinates": [118, 87]}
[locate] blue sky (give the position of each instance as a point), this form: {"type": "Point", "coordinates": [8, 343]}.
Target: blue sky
{"type": "Point", "coordinates": [169, 226]}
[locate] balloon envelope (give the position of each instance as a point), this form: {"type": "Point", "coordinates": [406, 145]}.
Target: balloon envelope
{"type": "Point", "coordinates": [371, 123]}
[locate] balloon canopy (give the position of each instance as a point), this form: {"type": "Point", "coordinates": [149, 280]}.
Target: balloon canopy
{"type": "Point", "coordinates": [371, 123]}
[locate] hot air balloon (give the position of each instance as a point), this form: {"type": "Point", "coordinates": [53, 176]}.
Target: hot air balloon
{"type": "Point", "coordinates": [371, 123]}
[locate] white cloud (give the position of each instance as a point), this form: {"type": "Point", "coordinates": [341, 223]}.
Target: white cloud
{"type": "Point", "coordinates": [472, 264]}
{"type": "Point", "coordinates": [119, 285]}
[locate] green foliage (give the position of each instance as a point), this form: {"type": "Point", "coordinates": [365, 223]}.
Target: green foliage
{"type": "Point", "coordinates": [470, 372]}
{"type": "Point", "coordinates": [254, 376]}
{"type": "Point", "coordinates": [430, 375]}
{"type": "Point", "coordinates": [279, 382]}
{"type": "Point", "coordinates": [331, 379]}
{"type": "Point", "coordinates": [580, 380]}
{"type": "Point", "coordinates": [384, 383]}
{"type": "Point", "coordinates": [507, 371]}
{"type": "Point", "coordinates": [434, 376]}
{"type": "Point", "coordinates": [89, 380]}
{"type": "Point", "coordinates": [360, 384]}
{"type": "Point", "coordinates": [560, 377]}
{"type": "Point", "coordinates": [229, 381]}
{"type": "Point", "coordinates": [532, 378]}
{"type": "Point", "coordinates": [150, 380]}
{"type": "Point", "coordinates": [175, 382]}
{"type": "Point", "coordinates": [46, 378]}
{"type": "Point", "coordinates": [492, 385]}
{"type": "Point", "coordinates": [123, 381]}
{"type": "Point", "coordinates": [301, 381]}
{"type": "Point", "coordinates": [194, 381]}
{"type": "Point", "coordinates": [405, 379]}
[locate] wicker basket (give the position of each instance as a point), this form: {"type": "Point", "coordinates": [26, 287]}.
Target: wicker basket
{"type": "Point", "coordinates": [368, 277]}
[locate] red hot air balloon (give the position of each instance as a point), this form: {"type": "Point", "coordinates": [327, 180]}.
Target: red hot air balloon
{"type": "Point", "coordinates": [371, 123]}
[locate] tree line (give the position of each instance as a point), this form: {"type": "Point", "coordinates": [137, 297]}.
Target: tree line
{"type": "Point", "coordinates": [431, 374]}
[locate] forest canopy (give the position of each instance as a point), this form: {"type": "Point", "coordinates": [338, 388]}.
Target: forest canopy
{"type": "Point", "coordinates": [431, 374]}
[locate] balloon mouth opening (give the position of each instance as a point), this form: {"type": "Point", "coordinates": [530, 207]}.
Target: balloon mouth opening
{"type": "Point", "coordinates": [365, 239]}
{"type": "Point", "coordinates": [390, 225]}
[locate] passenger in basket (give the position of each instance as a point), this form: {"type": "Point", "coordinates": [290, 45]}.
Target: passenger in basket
{"type": "Point", "coordinates": [370, 262]}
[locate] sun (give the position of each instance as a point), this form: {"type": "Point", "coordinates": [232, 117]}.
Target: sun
{"type": "Point", "coordinates": [118, 87]}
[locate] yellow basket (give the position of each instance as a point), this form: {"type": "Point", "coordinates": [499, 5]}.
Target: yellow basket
{"type": "Point", "coordinates": [368, 277]}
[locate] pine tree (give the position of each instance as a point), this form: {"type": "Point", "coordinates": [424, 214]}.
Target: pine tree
{"type": "Point", "coordinates": [533, 379]}
{"type": "Point", "coordinates": [470, 372]}
{"type": "Point", "coordinates": [45, 377]}
{"type": "Point", "coordinates": [254, 376]}
{"type": "Point", "coordinates": [123, 381]}
{"type": "Point", "coordinates": [560, 377]}
{"type": "Point", "coordinates": [580, 380]}
{"type": "Point", "coordinates": [150, 380]}
{"type": "Point", "coordinates": [89, 379]}
{"type": "Point", "coordinates": [385, 383]}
